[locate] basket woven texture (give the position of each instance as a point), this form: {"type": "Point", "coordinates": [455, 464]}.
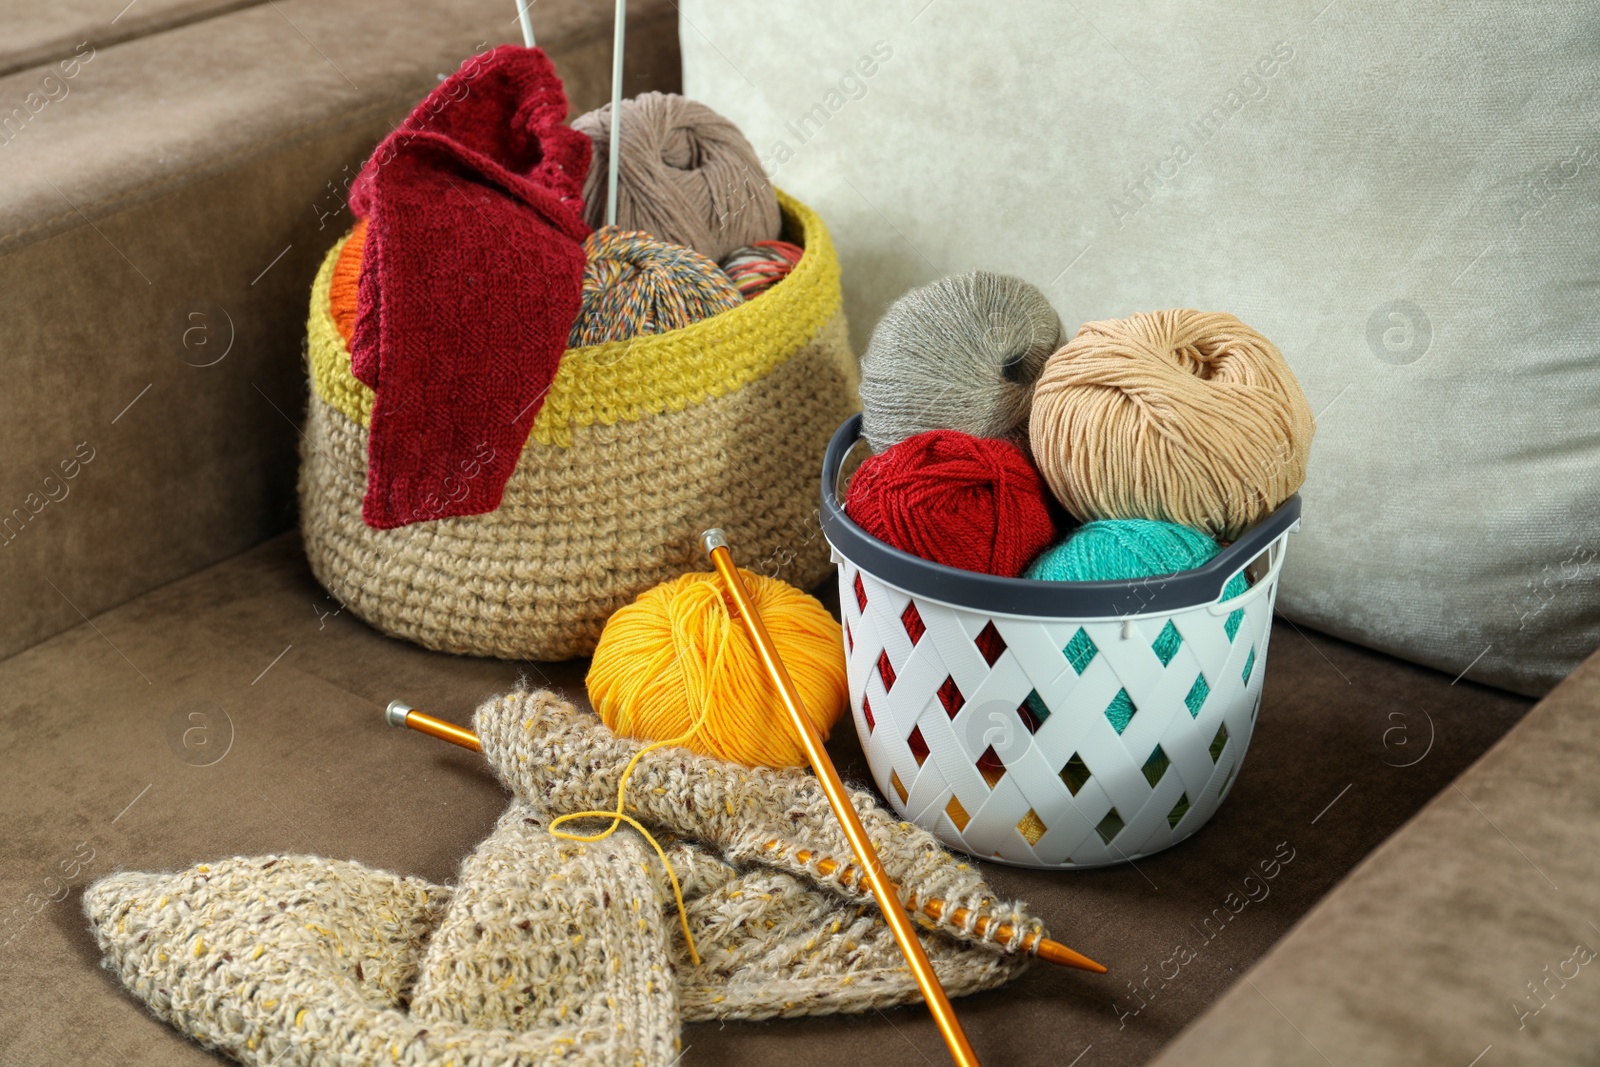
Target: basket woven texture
{"type": "Point", "coordinates": [640, 445]}
{"type": "Point", "coordinates": [1054, 742]}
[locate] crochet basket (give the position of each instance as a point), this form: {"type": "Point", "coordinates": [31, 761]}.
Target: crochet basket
{"type": "Point", "coordinates": [985, 704]}
{"type": "Point", "coordinates": [640, 445]}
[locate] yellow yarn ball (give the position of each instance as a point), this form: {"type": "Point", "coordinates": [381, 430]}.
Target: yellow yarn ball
{"type": "Point", "coordinates": [678, 653]}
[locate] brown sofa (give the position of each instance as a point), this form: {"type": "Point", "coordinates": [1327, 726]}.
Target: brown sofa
{"type": "Point", "coordinates": [1417, 883]}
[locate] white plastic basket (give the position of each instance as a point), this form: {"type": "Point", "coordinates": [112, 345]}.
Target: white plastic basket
{"type": "Point", "coordinates": [982, 702]}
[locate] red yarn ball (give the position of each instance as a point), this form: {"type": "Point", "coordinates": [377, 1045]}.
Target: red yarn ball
{"type": "Point", "coordinates": [976, 503]}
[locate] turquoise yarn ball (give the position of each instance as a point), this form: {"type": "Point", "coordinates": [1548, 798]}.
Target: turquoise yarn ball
{"type": "Point", "coordinates": [1112, 549]}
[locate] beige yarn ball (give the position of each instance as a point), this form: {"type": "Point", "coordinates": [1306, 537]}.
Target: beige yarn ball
{"type": "Point", "coordinates": [1182, 416]}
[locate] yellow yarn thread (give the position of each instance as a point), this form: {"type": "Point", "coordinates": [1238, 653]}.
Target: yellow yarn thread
{"type": "Point", "coordinates": [625, 381]}
{"type": "Point", "coordinates": [675, 663]}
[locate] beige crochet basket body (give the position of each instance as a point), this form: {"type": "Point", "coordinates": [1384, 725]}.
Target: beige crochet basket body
{"type": "Point", "coordinates": [640, 445]}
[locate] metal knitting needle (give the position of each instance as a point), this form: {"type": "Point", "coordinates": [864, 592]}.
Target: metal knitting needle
{"type": "Point", "coordinates": [616, 111]}
{"type": "Point", "coordinates": [527, 22]}
{"type": "Point", "coordinates": [889, 905]}
{"type": "Point", "coordinates": [401, 714]}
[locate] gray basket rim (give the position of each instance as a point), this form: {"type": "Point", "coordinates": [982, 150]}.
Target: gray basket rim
{"type": "Point", "coordinates": [1020, 596]}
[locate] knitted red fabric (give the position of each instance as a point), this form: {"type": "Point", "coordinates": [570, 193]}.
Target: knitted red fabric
{"type": "Point", "coordinates": [970, 502]}
{"type": "Point", "coordinates": [470, 280]}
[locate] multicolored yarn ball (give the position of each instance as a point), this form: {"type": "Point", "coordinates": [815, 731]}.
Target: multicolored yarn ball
{"type": "Point", "coordinates": [1116, 549]}
{"type": "Point", "coordinates": [635, 285]}
{"type": "Point", "coordinates": [1186, 416]}
{"type": "Point", "coordinates": [975, 503]}
{"type": "Point", "coordinates": [677, 665]}
{"type": "Point", "coordinates": [959, 354]}
{"type": "Point", "coordinates": [756, 268]}
{"type": "Point", "coordinates": [685, 174]}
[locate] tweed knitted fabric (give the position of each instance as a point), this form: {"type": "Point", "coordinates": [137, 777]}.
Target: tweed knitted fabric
{"type": "Point", "coordinates": [970, 502]}
{"type": "Point", "coordinates": [961, 353]}
{"type": "Point", "coordinates": [756, 268]}
{"type": "Point", "coordinates": [776, 827]}
{"type": "Point", "coordinates": [298, 960]}
{"type": "Point", "coordinates": [470, 279]}
{"type": "Point", "coordinates": [545, 934]}
{"type": "Point", "coordinates": [635, 285]}
{"type": "Point", "coordinates": [686, 175]}
{"type": "Point", "coordinates": [548, 951]}
{"type": "Point", "coordinates": [757, 390]}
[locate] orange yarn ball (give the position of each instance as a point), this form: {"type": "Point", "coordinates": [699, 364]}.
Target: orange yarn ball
{"type": "Point", "coordinates": [678, 655]}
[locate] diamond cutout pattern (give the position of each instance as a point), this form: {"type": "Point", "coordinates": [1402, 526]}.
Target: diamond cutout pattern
{"type": "Point", "coordinates": [990, 767]}
{"type": "Point", "coordinates": [911, 619]}
{"type": "Point", "coordinates": [1110, 826]}
{"type": "Point", "coordinates": [950, 696]}
{"type": "Point", "coordinates": [1074, 774]}
{"type": "Point", "coordinates": [1197, 696]}
{"type": "Point", "coordinates": [1167, 643]}
{"type": "Point", "coordinates": [1156, 765]}
{"type": "Point", "coordinates": [1080, 651]}
{"type": "Point", "coordinates": [1219, 742]}
{"type": "Point", "coordinates": [1120, 711]}
{"type": "Point", "coordinates": [1032, 827]}
{"type": "Point", "coordinates": [918, 744]}
{"type": "Point", "coordinates": [1179, 810]}
{"type": "Point", "coordinates": [957, 813]}
{"type": "Point", "coordinates": [1235, 617]}
{"type": "Point", "coordinates": [990, 644]}
{"type": "Point", "coordinates": [1033, 711]}
{"type": "Point", "coordinates": [1013, 795]}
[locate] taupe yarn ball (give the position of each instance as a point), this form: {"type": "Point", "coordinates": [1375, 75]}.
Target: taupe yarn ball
{"type": "Point", "coordinates": [686, 175]}
{"type": "Point", "coordinates": [962, 354]}
{"type": "Point", "coordinates": [1182, 416]}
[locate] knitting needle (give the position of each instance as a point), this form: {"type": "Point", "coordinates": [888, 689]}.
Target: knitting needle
{"type": "Point", "coordinates": [894, 914]}
{"type": "Point", "coordinates": [616, 111]}
{"type": "Point", "coordinates": [400, 714]}
{"type": "Point", "coordinates": [527, 22]}
{"type": "Point", "coordinates": [933, 908]}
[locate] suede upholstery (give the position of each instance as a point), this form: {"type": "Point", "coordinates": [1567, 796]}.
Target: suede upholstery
{"type": "Point", "coordinates": [149, 695]}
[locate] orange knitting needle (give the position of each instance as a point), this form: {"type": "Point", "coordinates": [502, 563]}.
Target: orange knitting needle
{"type": "Point", "coordinates": [398, 714]}
{"type": "Point", "coordinates": [1033, 943]}
{"type": "Point", "coordinates": [944, 1015]}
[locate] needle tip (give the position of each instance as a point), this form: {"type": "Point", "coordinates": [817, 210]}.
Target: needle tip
{"type": "Point", "coordinates": [713, 539]}
{"type": "Point", "coordinates": [395, 714]}
{"type": "Point", "coordinates": [1055, 952]}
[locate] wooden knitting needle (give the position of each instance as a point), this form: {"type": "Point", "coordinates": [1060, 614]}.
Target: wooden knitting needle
{"type": "Point", "coordinates": [944, 1015]}
{"type": "Point", "coordinates": [399, 714]}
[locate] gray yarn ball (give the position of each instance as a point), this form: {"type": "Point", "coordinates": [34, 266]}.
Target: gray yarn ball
{"type": "Point", "coordinates": [962, 354]}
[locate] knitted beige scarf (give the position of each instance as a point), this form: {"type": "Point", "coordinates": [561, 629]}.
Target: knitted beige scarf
{"type": "Point", "coordinates": [548, 950]}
